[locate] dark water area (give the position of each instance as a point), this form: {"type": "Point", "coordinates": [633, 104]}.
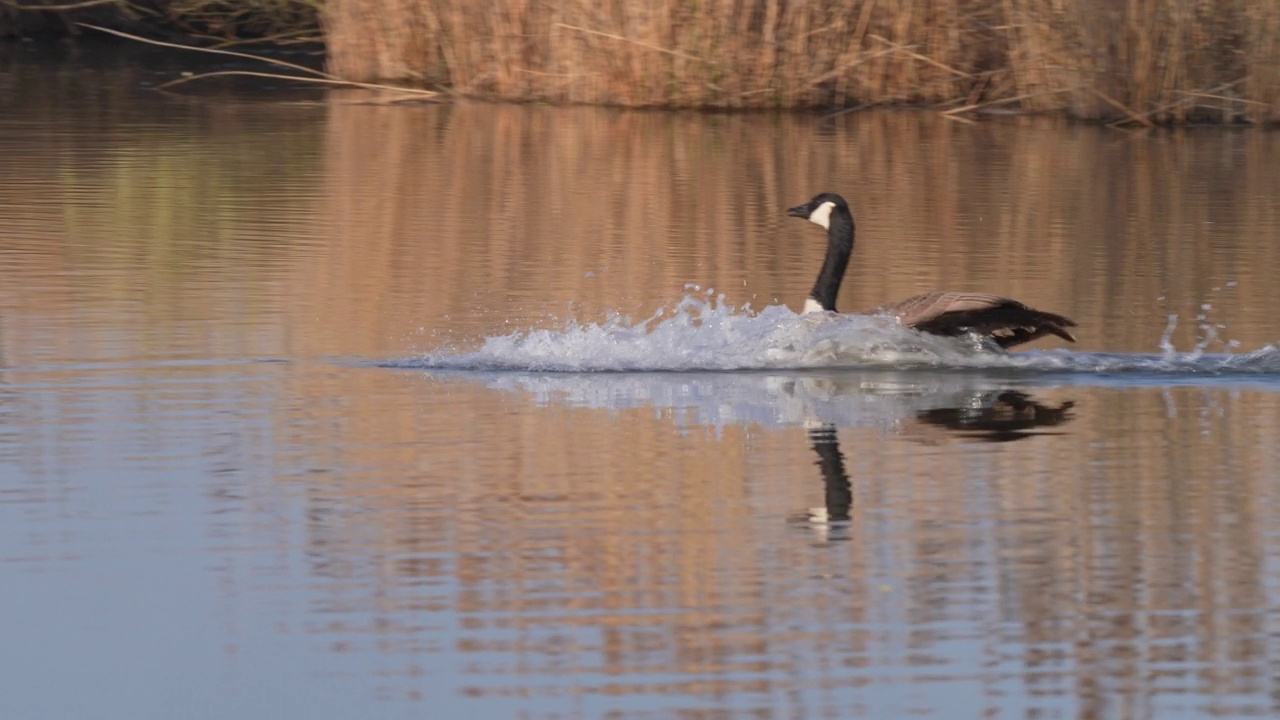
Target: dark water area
{"type": "Point", "coordinates": [329, 408]}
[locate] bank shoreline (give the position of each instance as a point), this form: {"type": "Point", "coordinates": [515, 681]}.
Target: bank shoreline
{"type": "Point", "coordinates": [1139, 63]}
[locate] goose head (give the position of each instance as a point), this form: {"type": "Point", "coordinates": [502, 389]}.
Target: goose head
{"type": "Point", "coordinates": [818, 210]}
{"type": "Point", "coordinates": [831, 212]}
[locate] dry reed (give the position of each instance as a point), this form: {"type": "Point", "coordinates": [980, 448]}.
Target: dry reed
{"type": "Point", "coordinates": [1141, 62]}
{"type": "Point", "coordinates": [1136, 61]}
{"type": "Point", "coordinates": [220, 22]}
{"type": "Point", "coordinates": [673, 53]}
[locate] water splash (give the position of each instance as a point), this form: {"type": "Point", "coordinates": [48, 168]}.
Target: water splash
{"type": "Point", "coordinates": [704, 333]}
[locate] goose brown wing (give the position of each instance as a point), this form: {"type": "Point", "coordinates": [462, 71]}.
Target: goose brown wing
{"type": "Point", "coordinates": [1006, 321]}
{"type": "Point", "coordinates": [930, 306]}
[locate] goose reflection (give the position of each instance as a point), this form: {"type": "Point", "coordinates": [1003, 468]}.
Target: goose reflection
{"type": "Point", "coordinates": [838, 491]}
{"type": "Point", "coordinates": [907, 402]}
{"type": "Point", "coordinates": [1009, 416]}
{"type": "Point", "coordinates": [923, 407]}
{"type": "Point", "coordinates": [993, 417]}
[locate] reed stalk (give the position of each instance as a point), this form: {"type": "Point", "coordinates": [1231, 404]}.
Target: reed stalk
{"type": "Point", "coordinates": [1128, 62]}
{"type": "Point", "coordinates": [1138, 62]}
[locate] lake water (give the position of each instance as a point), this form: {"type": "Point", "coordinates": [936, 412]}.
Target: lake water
{"type": "Point", "coordinates": [286, 427]}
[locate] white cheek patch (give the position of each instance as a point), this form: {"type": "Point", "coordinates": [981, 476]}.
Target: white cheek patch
{"type": "Point", "coordinates": [822, 215]}
{"type": "Point", "coordinates": [811, 306]}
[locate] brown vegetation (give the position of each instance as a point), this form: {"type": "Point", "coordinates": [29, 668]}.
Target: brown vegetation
{"type": "Point", "coordinates": [208, 21]}
{"type": "Point", "coordinates": [1130, 61]}
{"type": "Point", "coordinates": [1140, 61]}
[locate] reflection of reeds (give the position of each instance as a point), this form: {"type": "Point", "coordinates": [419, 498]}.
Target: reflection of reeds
{"type": "Point", "coordinates": [552, 206]}
{"type": "Point", "coordinates": [1113, 563]}
{"type": "Point", "coordinates": [1136, 61]}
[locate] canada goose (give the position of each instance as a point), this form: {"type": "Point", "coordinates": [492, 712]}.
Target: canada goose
{"type": "Point", "coordinates": [1007, 322]}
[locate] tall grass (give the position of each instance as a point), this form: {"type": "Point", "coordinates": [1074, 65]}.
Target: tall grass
{"type": "Point", "coordinates": [206, 21]}
{"type": "Point", "coordinates": [1148, 60]}
{"type": "Point", "coordinates": [1128, 61]}
{"type": "Point", "coordinates": [1140, 61]}
{"type": "Point", "coordinates": [675, 53]}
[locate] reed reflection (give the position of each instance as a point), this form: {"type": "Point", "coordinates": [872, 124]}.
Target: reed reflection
{"type": "Point", "coordinates": [617, 540]}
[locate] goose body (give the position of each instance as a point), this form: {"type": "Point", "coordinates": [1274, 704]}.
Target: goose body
{"type": "Point", "coordinates": [1005, 321]}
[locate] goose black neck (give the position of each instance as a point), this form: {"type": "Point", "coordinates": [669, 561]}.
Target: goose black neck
{"type": "Point", "coordinates": [839, 491]}
{"type": "Point", "coordinates": [839, 247]}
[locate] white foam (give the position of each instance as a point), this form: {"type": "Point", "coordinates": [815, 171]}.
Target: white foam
{"type": "Point", "coordinates": [703, 333]}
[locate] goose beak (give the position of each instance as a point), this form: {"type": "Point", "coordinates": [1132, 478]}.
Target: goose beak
{"type": "Point", "coordinates": [800, 211]}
